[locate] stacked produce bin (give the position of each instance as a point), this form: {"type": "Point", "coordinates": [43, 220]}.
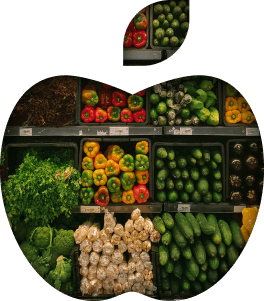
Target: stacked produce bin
{"type": "Point", "coordinates": [168, 204]}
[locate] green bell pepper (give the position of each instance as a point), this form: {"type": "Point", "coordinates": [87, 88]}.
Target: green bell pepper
{"type": "Point", "coordinates": [202, 114]}
{"type": "Point", "coordinates": [142, 162]}
{"type": "Point", "coordinates": [113, 184]}
{"type": "Point", "coordinates": [213, 119]}
{"type": "Point", "coordinates": [86, 195]}
{"type": "Point", "coordinates": [87, 178]}
{"type": "Point", "coordinates": [127, 163]}
{"type": "Point", "coordinates": [116, 197]}
{"type": "Point", "coordinates": [135, 103]}
{"type": "Point", "coordinates": [128, 180]}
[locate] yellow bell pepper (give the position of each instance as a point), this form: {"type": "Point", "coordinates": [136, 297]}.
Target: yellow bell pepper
{"type": "Point", "coordinates": [249, 218]}
{"type": "Point", "coordinates": [243, 106]}
{"type": "Point", "coordinates": [116, 197]}
{"type": "Point", "coordinates": [115, 153]}
{"type": "Point", "coordinates": [245, 233]}
{"type": "Point", "coordinates": [233, 116]}
{"type": "Point", "coordinates": [91, 148]}
{"type": "Point", "coordinates": [247, 117]}
{"type": "Point", "coordinates": [100, 161]}
{"type": "Point", "coordinates": [142, 147]}
{"type": "Point", "coordinates": [142, 176]}
{"type": "Point", "coordinates": [87, 163]}
{"type": "Point", "coordinates": [231, 104]}
{"type": "Point", "coordinates": [99, 177]}
{"type": "Point", "coordinates": [108, 150]}
{"type": "Point", "coordinates": [112, 168]}
{"type": "Point", "coordinates": [128, 197]}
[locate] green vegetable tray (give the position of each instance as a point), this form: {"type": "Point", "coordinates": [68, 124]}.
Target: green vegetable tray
{"type": "Point", "coordinates": [152, 30]}
{"type": "Point", "coordinates": [14, 159]}
{"type": "Point", "coordinates": [178, 145]}
{"type": "Point", "coordinates": [128, 145]}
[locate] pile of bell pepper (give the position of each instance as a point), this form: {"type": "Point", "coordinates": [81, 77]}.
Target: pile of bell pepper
{"type": "Point", "coordinates": [136, 34]}
{"type": "Point", "coordinates": [114, 175]}
{"type": "Point", "coordinates": [112, 105]}
{"type": "Point", "coordinates": [236, 107]}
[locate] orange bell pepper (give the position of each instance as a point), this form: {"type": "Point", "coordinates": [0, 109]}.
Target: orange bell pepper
{"type": "Point", "coordinates": [247, 117]}
{"type": "Point", "coordinates": [233, 116]}
{"type": "Point", "coordinates": [243, 106]}
{"type": "Point", "coordinates": [142, 176]}
{"type": "Point", "coordinates": [112, 168]}
{"type": "Point", "coordinates": [128, 197]}
{"type": "Point", "coordinates": [231, 104]}
{"type": "Point", "coordinates": [115, 153]}
{"type": "Point", "coordinates": [100, 161]}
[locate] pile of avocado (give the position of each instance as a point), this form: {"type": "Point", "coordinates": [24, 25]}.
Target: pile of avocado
{"type": "Point", "coordinates": [195, 250]}
{"type": "Point", "coordinates": [185, 101]}
{"type": "Point", "coordinates": [188, 174]}
{"type": "Point", "coordinates": [170, 23]}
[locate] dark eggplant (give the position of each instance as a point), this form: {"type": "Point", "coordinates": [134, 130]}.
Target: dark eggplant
{"type": "Point", "coordinates": [236, 197]}
{"type": "Point", "coordinates": [252, 197]}
{"type": "Point", "coordinates": [250, 181]}
{"type": "Point", "coordinates": [252, 162]}
{"type": "Point", "coordinates": [235, 181]}
{"type": "Point", "coordinates": [238, 148]}
{"type": "Point", "coordinates": [236, 164]}
{"type": "Point", "coordinates": [253, 147]}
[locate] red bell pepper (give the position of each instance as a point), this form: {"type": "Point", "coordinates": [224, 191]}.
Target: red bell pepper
{"type": "Point", "coordinates": [140, 21]}
{"type": "Point", "coordinates": [107, 86]}
{"type": "Point", "coordinates": [141, 193]}
{"type": "Point", "coordinates": [100, 115]}
{"type": "Point", "coordinates": [105, 98]}
{"type": "Point", "coordinates": [101, 197]}
{"type": "Point", "coordinates": [128, 39]}
{"type": "Point", "coordinates": [126, 116]}
{"type": "Point", "coordinates": [143, 11]}
{"type": "Point", "coordinates": [131, 26]}
{"type": "Point", "coordinates": [139, 38]}
{"type": "Point", "coordinates": [88, 114]}
{"type": "Point", "coordinates": [140, 116]}
{"type": "Point", "coordinates": [141, 93]}
{"type": "Point", "coordinates": [119, 98]}
{"type": "Point", "coordinates": [113, 113]}
{"type": "Point", "coordinates": [90, 87]}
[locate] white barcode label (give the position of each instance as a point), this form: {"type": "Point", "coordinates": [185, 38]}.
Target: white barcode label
{"type": "Point", "coordinates": [176, 132]}
{"type": "Point", "coordinates": [184, 207]}
{"type": "Point", "coordinates": [25, 132]}
{"type": "Point", "coordinates": [90, 209]}
{"type": "Point", "coordinates": [119, 131]}
{"type": "Point", "coordinates": [185, 131]}
{"type": "Point", "coordinates": [102, 133]}
{"type": "Point", "coordinates": [252, 132]}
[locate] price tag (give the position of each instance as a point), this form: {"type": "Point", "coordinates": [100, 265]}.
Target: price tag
{"type": "Point", "coordinates": [119, 131]}
{"type": "Point", "coordinates": [185, 131]}
{"type": "Point", "coordinates": [25, 132]}
{"type": "Point", "coordinates": [176, 132]}
{"type": "Point", "coordinates": [184, 207]}
{"type": "Point", "coordinates": [102, 133]}
{"type": "Point", "coordinates": [252, 132]}
{"type": "Point", "coordinates": [238, 209]}
{"type": "Point", "coordinates": [80, 133]}
{"type": "Point", "coordinates": [90, 209]}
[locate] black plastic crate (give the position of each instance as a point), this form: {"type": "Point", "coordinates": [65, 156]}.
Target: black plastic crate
{"type": "Point", "coordinates": [152, 30]}
{"type": "Point", "coordinates": [77, 277]}
{"type": "Point", "coordinates": [240, 124]}
{"type": "Point", "coordinates": [220, 146]}
{"type": "Point", "coordinates": [257, 173]}
{"type": "Point", "coordinates": [12, 162]}
{"type": "Point", "coordinates": [124, 143]}
{"type": "Point", "coordinates": [147, 31]}
{"type": "Point", "coordinates": [80, 106]}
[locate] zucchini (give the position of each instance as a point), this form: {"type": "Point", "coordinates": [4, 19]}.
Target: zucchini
{"type": "Point", "coordinates": [205, 226]}
{"type": "Point", "coordinates": [216, 237]}
{"type": "Point", "coordinates": [159, 224]}
{"type": "Point", "coordinates": [175, 285]}
{"type": "Point", "coordinates": [223, 267]}
{"type": "Point", "coordinates": [202, 276]}
{"type": "Point", "coordinates": [197, 287]}
{"type": "Point", "coordinates": [204, 266]}
{"type": "Point", "coordinates": [168, 220]}
{"type": "Point", "coordinates": [195, 225]}
{"type": "Point", "coordinates": [165, 284]}
{"type": "Point", "coordinates": [225, 232]}
{"type": "Point", "coordinates": [185, 284]}
{"type": "Point", "coordinates": [184, 225]}
{"type": "Point", "coordinates": [163, 273]}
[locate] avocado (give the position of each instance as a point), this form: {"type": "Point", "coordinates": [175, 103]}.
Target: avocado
{"type": "Point", "coordinates": [196, 196]}
{"type": "Point", "coordinates": [184, 196]}
{"type": "Point", "coordinates": [178, 184]}
{"type": "Point", "coordinates": [181, 161]}
{"type": "Point", "coordinates": [174, 41]}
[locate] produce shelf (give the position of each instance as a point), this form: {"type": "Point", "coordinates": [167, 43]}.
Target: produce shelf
{"type": "Point", "coordinates": [142, 55]}
{"type": "Point", "coordinates": [169, 53]}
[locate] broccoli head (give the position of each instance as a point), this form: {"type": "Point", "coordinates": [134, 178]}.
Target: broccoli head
{"type": "Point", "coordinates": [41, 237]}
{"type": "Point", "coordinates": [51, 255]}
{"type": "Point", "coordinates": [30, 251]}
{"type": "Point", "coordinates": [206, 85]}
{"type": "Point", "coordinates": [62, 272]}
{"type": "Point", "coordinates": [41, 266]}
{"type": "Point", "coordinates": [20, 231]}
{"type": "Point", "coordinates": [64, 242]}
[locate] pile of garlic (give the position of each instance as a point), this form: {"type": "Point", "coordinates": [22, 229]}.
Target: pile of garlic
{"type": "Point", "coordinates": [115, 260]}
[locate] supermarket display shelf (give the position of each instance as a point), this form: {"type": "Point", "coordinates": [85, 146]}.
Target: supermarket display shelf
{"type": "Point", "coordinates": [222, 207]}
{"type": "Point", "coordinates": [169, 53]}
{"type": "Point", "coordinates": [211, 131]}
{"type": "Point", "coordinates": [142, 55]}
{"type": "Point", "coordinates": [130, 131]}
{"type": "Point", "coordinates": [149, 207]}
{"type": "Point", "coordinates": [83, 131]}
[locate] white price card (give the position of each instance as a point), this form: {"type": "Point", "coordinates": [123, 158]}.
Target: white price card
{"type": "Point", "coordinates": [176, 132]}
{"type": "Point", "coordinates": [238, 209]}
{"type": "Point", "coordinates": [102, 133]}
{"type": "Point", "coordinates": [184, 207]}
{"type": "Point", "coordinates": [185, 131]}
{"type": "Point", "coordinates": [25, 132]}
{"type": "Point", "coordinates": [252, 132]}
{"type": "Point", "coordinates": [90, 209]}
{"type": "Point", "coordinates": [119, 131]}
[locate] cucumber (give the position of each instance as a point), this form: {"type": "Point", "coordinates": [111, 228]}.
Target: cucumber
{"type": "Point", "coordinates": [195, 225]}
{"type": "Point", "coordinates": [186, 252]}
{"type": "Point", "coordinates": [205, 226]}
{"type": "Point", "coordinates": [202, 277]}
{"type": "Point", "coordinates": [175, 251]}
{"type": "Point", "coordinates": [221, 250]}
{"type": "Point", "coordinates": [166, 238]}
{"type": "Point", "coordinates": [175, 285]}
{"type": "Point", "coordinates": [189, 275]}
{"type": "Point", "coordinates": [163, 255]}
{"type": "Point", "coordinates": [159, 224]}
{"type": "Point", "coordinates": [216, 237]}
{"type": "Point", "coordinates": [165, 284]}
{"type": "Point", "coordinates": [237, 236]}
{"type": "Point", "coordinates": [178, 237]}
{"type": "Point", "coordinates": [212, 275]}
{"type": "Point", "coordinates": [168, 220]}
{"type": "Point", "coordinates": [192, 266]}
{"type": "Point", "coordinates": [169, 266]}
{"type": "Point", "coordinates": [197, 287]}
{"type": "Point", "coordinates": [225, 232]}
{"type": "Point", "coordinates": [185, 284]}
{"type": "Point", "coordinates": [206, 285]}
{"type": "Point", "coordinates": [204, 266]}
{"type": "Point", "coordinates": [223, 267]}
{"type": "Point", "coordinates": [210, 248]}
{"type": "Point", "coordinates": [231, 255]}
{"type": "Point", "coordinates": [199, 252]}
{"type": "Point", "coordinates": [178, 269]}
{"type": "Point", "coordinates": [184, 225]}
{"type": "Point", "coordinates": [163, 273]}
{"type": "Point", "coordinates": [214, 263]}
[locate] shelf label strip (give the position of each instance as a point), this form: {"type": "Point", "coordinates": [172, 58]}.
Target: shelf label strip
{"type": "Point", "coordinates": [118, 131]}
{"type": "Point", "coordinates": [252, 132]}
{"type": "Point", "coordinates": [90, 209]}
{"type": "Point", "coordinates": [25, 132]}
{"type": "Point", "coordinates": [184, 207]}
